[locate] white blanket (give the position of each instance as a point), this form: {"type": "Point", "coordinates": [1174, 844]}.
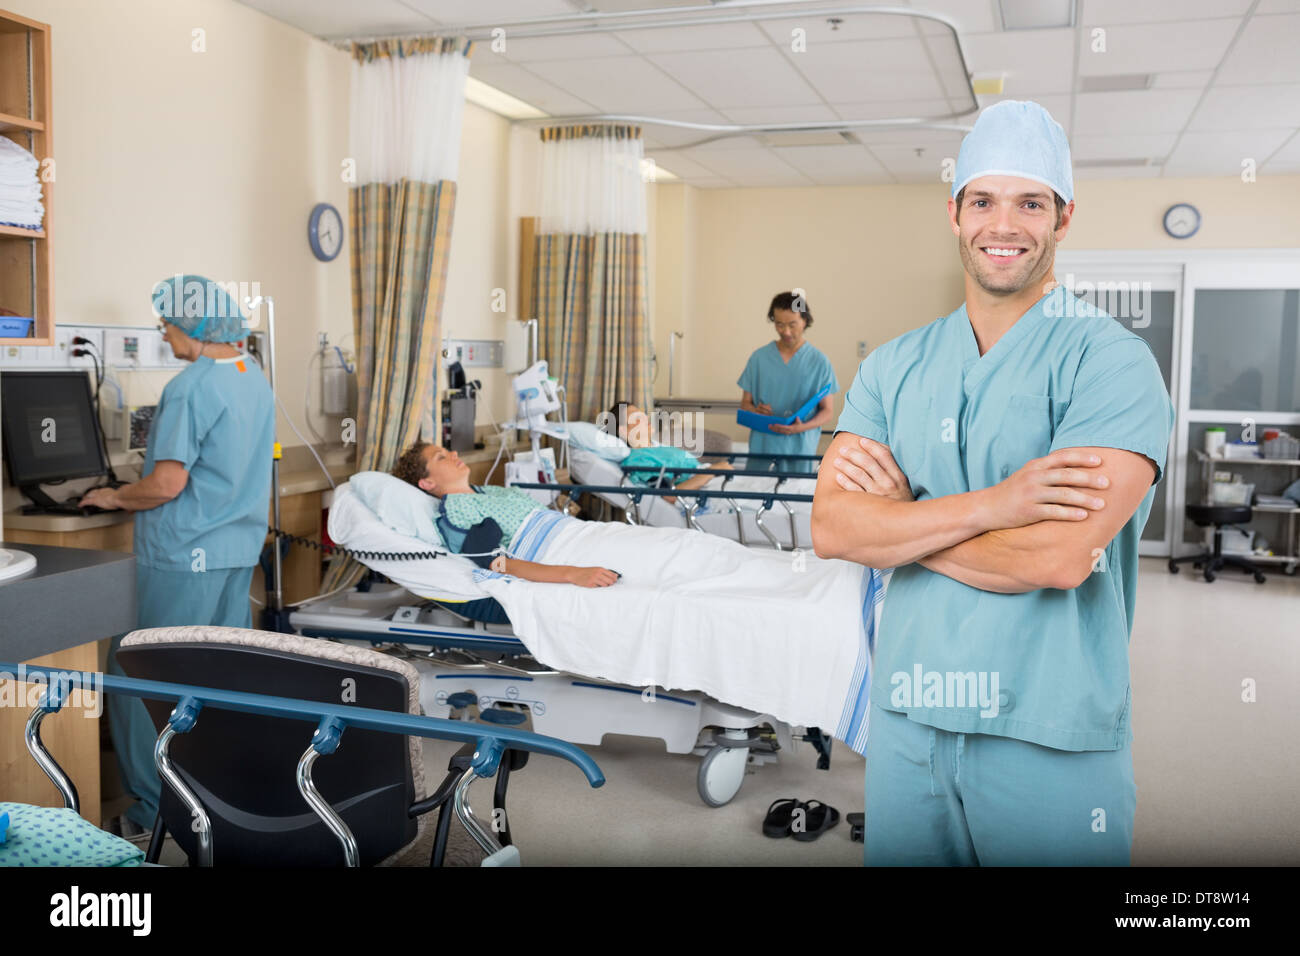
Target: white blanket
{"type": "Point", "coordinates": [783, 633]}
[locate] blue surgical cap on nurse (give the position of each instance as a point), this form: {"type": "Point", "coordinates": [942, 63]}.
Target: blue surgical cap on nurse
{"type": "Point", "coordinates": [200, 308]}
{"type": "Point", "coordinates": [1016, 138]}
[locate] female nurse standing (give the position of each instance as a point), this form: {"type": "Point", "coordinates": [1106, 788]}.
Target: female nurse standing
{"type": "Point", "coordinates": [779, 378]}
{"type": "Point", "coordinates": [201, 502]}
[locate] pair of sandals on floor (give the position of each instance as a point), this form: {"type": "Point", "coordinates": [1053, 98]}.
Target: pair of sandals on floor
{"type": "Point", "coordinates": [805, 822]}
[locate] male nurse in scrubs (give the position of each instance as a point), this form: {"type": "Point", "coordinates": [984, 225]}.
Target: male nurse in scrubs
{"type": "Point", "coordinates": [201, 502]}
{"type": "Point", "coordinates": [1003, 461]}
{"type": "Point", "coordinates": [779, 378]}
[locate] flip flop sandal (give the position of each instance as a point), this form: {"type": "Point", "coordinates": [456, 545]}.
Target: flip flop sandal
{"type": "Point", "coordinates": [819, 819]}
{"type": "Point", "coordinates": [779, 817]}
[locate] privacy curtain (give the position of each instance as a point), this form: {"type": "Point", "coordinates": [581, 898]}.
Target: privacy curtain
{"type": "Point", "coordinates": [408, 97]}
{"type": "Point", "coordinates": [589, 281]}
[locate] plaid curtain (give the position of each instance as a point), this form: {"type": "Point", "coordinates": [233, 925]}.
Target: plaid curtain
{"type": "Point", "coordinates": [590, 296]}
{"type": "Point", "coordinates": [401, 234]}
{"type": "Point", "coordinates": [589, 286]}
{"type": "Point", "coordinates": [406, 122]}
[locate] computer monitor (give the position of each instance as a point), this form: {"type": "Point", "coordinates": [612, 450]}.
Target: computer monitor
{"type": "Point", "coordinates": [51, 430]}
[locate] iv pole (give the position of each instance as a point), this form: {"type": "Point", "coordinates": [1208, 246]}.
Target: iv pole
{"type": "Point", "coordinates": [274, 617]}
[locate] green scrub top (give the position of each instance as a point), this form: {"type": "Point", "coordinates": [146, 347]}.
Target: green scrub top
{"type": "Point", "coordinates": [217, 418]}
{"type": "Point", "coordinates": [957, 421]}
{"type": "Point", "coordinates": [785, 387]}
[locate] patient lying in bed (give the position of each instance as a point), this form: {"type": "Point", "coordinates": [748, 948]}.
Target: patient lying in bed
{"type": "Point", "coordinates": [657, 458]}
{"type": "Point", "coordinates": [475, 521]}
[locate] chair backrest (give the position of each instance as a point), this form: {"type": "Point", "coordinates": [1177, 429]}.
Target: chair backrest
{"type": "Point", "coordinates": [242, 766]}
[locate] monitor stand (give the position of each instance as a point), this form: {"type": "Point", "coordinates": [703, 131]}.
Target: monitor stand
{"type": "Point", "coordinates": [43, 504]}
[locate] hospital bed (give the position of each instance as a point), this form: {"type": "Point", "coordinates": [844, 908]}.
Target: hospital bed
{"type": "Point", "coordinates": [780, 518]}
{"type": "Point", "coordinates": [427, 612]}
{"type": "Point", "coordinates": [246, 779]}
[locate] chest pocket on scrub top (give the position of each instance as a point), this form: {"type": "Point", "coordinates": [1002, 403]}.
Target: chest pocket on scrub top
{"type": "Point", "coordinates": [911, 432]}
{"type": "Point", "coordinates": [1025, 433]}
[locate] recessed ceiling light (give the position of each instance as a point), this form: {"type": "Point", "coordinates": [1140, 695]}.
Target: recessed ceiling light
{"type": "Point", "coordinates": [1112, 84]}
{"type": "Point", "coordinates": [652, 172]}
{"type": "Point", "coordinates": [1109, 163]}
{"type": "Point", "coordinates": [490, 98]}
{"type": "Point", "coordinates": [1036, 14]}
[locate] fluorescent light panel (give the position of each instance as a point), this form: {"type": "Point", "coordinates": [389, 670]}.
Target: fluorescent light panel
{"type": "Point", "coordinates": [1036, 14]}
{"type": "Point", "coordinates": [490, 98]}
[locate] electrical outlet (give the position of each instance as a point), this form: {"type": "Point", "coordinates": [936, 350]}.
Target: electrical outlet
{"type": "Point", "coordinates": [96, 338]}
{"type": "Point", "coordinates": [862, 350]}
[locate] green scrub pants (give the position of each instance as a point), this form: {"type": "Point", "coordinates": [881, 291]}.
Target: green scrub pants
{"type": "Point", "coordinates": [936, 798]}
{"type": "Point", "coordinates": [165, 599]}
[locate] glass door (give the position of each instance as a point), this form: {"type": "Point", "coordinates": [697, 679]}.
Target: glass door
{"type": "Point", "coordinates": [1242, 369]}
{"type": "Point", "coordinates": [1146, 299]}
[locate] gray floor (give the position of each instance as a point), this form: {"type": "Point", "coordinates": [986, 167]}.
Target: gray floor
{"type": "Point", "coordinates": [1217, 778]}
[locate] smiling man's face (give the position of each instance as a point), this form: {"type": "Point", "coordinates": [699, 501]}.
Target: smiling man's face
{"type": "Point", "coordinates": [1007, 232]}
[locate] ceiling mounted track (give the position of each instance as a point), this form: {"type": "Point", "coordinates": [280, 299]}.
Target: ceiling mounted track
{"type": "Point", "coordinates": [741, 11]}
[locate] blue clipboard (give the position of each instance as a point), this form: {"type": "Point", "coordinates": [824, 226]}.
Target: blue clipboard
{"type": "Point", "coordinates": [763, 423]}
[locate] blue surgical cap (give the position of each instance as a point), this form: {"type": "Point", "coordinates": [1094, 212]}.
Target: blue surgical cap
{"type": "Point", "coordinates": [200, 308]}
{"type": "Point", "coordinates": [1016, 138]}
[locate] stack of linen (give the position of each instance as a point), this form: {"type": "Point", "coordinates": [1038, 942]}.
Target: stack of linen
{"type": "Point", "coordinates": [20, 187]}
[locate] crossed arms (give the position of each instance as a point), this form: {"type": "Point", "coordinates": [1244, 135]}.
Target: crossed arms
{"type": "Point", "coordinates": [1042, 527]}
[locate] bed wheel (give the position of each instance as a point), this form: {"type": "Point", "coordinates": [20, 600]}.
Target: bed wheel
{"type": "Point", "coordinates": [722, 771]}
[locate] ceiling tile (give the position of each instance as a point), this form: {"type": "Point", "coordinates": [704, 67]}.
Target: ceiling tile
{"type": "Point", "coordinates": [1265, 52]}
{"type": "Point", "coordinates": [1133, 146]}
{"type": "Point", "coordinates": [748, 167]}
{"type": "Point", "coordinates": [705, 36]}
{"type": "Point", "coordinates": [817, 31]}
{"type": "Point", "coordinates": [970, 17]}
{"type": "Point", "coordinates": [834, 165]}
{"type": "Point", "coordinates": [1133, 111]}
{"type": "Point", "coordinates": [1112, 12]}
{"type": "Point", "coordinates": [1034, 61]}
{"type": "Point", "coordinates": [1287, 158]}
{"type": "Point", "coordinates": [618, 84]}
{"type": "Point", "coordinates": [1222, 153]}
{"type": "Point", "coordinates": [1249, 107]}
{"type": "Point", "coordinates": [1117, 172]}
{"type": "Point", "coordinates": [1181, 80]}
{"type": "Point", "coordinates": [738, 78]}
{"type": "Point", "coordinates": [1156, 47]}
{"type": "Point", "coordinates": [891, 109]}
{"type": "Point", "coordinates": [484, 11]}
{"type": "Point", "coordinates": [813, 113]}
{"type": "Point", "coordinates": [582, 46]}
{"type": "Point", "coordinates": [521, 84]}
{"type": "Point", "coordinates": [343, 18]}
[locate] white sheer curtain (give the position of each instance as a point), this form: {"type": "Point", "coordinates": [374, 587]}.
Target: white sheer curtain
{"type": "Point", "coordinates": [592, 183]}
{"type": "Point", "coordinates": [407, 107]}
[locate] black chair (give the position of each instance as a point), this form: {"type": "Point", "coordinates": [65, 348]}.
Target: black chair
{"type": "Point", "coordinates": [1217, 516]}
{"type": "Point", "coordinates": [241, 766]}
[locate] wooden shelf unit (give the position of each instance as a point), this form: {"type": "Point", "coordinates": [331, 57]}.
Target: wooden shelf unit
{"type": "Point", "coordinates": [26, 117]}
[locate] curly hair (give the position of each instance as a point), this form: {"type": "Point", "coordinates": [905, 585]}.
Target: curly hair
{"type": "Point", "coordinates": [413, 466]}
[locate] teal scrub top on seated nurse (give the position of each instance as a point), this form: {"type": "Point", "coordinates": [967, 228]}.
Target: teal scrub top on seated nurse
{"type": "Point", "coordinates": [785, 387]}
{"type": "Point", "coordinates": [957, 421]}
{"type": "Point", "coordinates": [217, 418]}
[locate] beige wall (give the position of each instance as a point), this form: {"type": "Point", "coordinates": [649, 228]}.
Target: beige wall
{"type": "Point", "coordinates": [878, 261]}
{"type": "Point", "coordinates": [171, 160]}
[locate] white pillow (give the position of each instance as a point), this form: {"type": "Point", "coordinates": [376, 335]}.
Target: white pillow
{"type": "Point", "coordinates": [403, 507]}
{"type": "Point", "coordinates": [596, 440]}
